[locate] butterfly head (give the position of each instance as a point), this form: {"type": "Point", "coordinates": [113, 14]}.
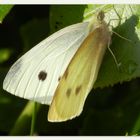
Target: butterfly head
{"type": "Point", "coordinates": [100, 16]}
{"type": "Point", "coordinates": [97, 21]}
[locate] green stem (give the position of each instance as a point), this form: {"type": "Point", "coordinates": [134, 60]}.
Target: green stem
{"type": "Point", "coordinates": [33, 119]}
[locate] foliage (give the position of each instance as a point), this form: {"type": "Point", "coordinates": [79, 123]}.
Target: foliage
{"type": "Point", "coordinates": [4, 10]}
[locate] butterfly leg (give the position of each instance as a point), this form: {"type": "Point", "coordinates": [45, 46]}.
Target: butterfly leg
{"type": "Point", "coordinates": [116, 61]}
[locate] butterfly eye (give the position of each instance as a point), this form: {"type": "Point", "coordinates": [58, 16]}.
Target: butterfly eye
{"type": "Point", "coordinates": [42, 75]}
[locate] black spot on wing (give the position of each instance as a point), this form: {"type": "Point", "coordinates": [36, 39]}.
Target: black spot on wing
{"type": "Point", "coordinates": [78, 89]}
{"type": "Point", "coordinates": [68, 92]}
{"type": "Point", "coordinates": [42, 75]}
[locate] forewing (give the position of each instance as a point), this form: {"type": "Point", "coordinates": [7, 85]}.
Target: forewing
{"type": "Point", "coordinates": [79, 77]}
{"type": "Point", "coordinates": [50, 57]}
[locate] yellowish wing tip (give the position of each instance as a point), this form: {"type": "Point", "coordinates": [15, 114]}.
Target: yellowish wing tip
{"type": "Point", "coordinates": [53, 116]}
{"type": "Point", "coordinates": [58, 119]}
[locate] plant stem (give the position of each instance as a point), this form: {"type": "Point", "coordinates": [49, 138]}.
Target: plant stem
{"type": "Point", "coordinates": [33, 119]}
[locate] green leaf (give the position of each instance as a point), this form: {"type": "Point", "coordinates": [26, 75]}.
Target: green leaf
{"type": "Point", "coordinates": [4, 10]}
{"type": "Point", "coordinates": [125, 21]}
{"type": "Point", "coordinates": [33, 32]}
{"type": "Point", "coordinates": [64, 15]}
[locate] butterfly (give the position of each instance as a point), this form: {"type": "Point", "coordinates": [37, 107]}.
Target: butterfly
{"type": "Point", "coordinates": [62, 69]}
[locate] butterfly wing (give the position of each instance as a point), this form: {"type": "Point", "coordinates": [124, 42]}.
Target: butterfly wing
{"type": "Point", "coordinates": [79, 76]}
{"type": "Point", "coordinates": [50, 58]}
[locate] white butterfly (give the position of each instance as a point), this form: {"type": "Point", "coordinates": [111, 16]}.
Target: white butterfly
{"type": "Point", "coordinates": [61, 70]}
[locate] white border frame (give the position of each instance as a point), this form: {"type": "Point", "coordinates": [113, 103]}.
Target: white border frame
{"type": "Point", "coordinates": [69, 1]}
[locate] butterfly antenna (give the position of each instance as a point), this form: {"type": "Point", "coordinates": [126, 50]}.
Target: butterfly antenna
{"type": "Point", "coordinates": [121, 36]}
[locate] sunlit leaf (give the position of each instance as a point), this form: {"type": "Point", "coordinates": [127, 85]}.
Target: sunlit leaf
{"type": "Point", "coordinates": [4, 10]}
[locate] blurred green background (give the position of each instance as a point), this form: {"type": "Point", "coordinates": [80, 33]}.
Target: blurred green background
{"type": "Point", "coordinates": [108, 111]}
